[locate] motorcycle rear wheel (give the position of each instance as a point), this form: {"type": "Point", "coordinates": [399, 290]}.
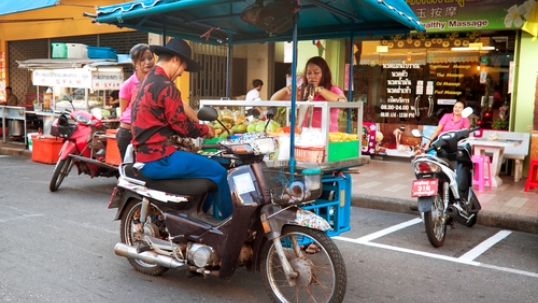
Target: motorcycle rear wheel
{"type": "Point", "coordinates": [322, 275]}
{"type": "Point", "coordinates": [433, 222]}
{"type": "Point", "coordinates": [62, 169]}
{"type": "Point", "coordinates": [130, 227]}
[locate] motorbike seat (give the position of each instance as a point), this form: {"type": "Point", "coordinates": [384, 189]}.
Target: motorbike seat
{"type": "Point", "coordinates": [187, 187]}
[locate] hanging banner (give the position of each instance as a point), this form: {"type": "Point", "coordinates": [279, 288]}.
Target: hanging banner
{"type": "Point", "coordinates": [465, 15]}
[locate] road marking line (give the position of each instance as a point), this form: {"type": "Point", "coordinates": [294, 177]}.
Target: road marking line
{"type": "Point", "coordinates": [439, 257]}
{"type": "Point", "coordinates": [484, 246]}
{"type": "Point", "coordinates": [387, 231]}
{"type": "Point", "coordinates": [405, 250]}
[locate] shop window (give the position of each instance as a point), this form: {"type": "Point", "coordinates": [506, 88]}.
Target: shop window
{"type": "Point", "coordinates": [416, 79]}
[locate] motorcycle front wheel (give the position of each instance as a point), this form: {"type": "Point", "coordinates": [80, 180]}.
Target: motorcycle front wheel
{"type": "Point", "coordinates": [62, 169]}
{"type": "Point", "coordinates": [132, 232]}
{"type": "Point", "coordinates": [322, 274]}
{"type": "Point", "coordinates": [434, 223]}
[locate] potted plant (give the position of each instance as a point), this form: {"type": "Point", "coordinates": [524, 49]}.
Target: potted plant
{"type": "Point", "coordinates": [499, 124]}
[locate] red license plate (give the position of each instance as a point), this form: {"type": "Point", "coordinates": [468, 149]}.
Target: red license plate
{"type": "Point", "coordinates": [424, 188]}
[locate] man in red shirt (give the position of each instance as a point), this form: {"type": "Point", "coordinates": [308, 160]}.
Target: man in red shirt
{"type": "Point", "coordinates": [158, 113]}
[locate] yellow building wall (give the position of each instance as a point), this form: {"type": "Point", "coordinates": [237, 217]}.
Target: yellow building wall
{"type": "Point", "coordinates": [64, 21]}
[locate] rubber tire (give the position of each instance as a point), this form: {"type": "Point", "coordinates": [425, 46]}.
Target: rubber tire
{"type": "Point", "coordinates": [145, 268]}
{"type": "Point", "coordinates": [327, 245]}
{"type": "Point", "coordinates": [429, 223]}
{"type": "Point", "coordinates": [58, 176]}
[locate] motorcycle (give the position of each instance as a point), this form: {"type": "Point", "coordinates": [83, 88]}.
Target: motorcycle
{"type": "Point", "coordinates": [84, 145]}
{"type": "Point", "coordinates": [443, 184]}
{"type": "Point", "coordinates": [163, 224]}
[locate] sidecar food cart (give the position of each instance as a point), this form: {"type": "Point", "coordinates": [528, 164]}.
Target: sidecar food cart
{"type": "Point", "coordinates": [231, 22]}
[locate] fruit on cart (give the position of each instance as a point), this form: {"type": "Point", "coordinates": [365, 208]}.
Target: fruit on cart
{"type": "Point", "coordinates": [342, 137]}
{"type": "Point", "coordinates": [287, 129]}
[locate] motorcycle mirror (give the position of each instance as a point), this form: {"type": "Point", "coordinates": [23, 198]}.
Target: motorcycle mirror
{"type": "Point", "coordinates": [466, 112]}
{"type": "Point", "coordinates": [416, 133]}
{"type": "Point", "coordinates": [271, 112]}
{"type": "Point", "coordinates": [207, 113]}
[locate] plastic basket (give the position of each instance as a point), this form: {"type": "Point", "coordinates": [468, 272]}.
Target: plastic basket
{"type": "Point", "coordinates": [287, 188]}
{"type": "Point", "coordinates": [310, 154]}
{"type": "Point", "coordinates": [101, 52]}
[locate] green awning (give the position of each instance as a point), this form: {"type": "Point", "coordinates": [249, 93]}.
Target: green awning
{"type": "Point", "coordinates": [221, 22]}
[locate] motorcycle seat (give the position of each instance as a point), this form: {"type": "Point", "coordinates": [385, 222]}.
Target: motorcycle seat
{"type": "Point", "coordinates": [187, 187]}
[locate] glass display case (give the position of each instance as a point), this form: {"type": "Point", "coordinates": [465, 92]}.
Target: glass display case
{"type": "Point", "coordinates": [344, 145]}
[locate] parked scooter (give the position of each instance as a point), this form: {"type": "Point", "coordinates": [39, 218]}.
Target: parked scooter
{"type": "Point", "coordinates": [444, 185]}
{"type": "Point", "coordinates": [84, 145]}
{"type": "Point", "coordinates": [163, 224]}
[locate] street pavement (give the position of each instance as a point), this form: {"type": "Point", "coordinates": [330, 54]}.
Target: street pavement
{"type": "Point", "coordinates": [385, 184]}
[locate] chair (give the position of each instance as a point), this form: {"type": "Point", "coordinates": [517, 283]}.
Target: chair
{"type": "Point", "coordinates": [532, 176]}
{"type": "Point", "coordinates": [479, 178]}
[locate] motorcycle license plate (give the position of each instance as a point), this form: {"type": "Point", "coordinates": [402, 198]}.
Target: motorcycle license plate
{"type": "Point", "coordinates": [424, 188]}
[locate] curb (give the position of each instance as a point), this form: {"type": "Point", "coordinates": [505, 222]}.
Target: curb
{"type": "Point", "coordinates": [486, 218]}
{"type": "Point", "coordinates": [15, 151]}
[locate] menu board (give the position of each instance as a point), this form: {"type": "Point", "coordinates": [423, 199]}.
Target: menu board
{"type": "Point", "coordinates": [448, 83]}
{"type": "Point", "coordinates": [397, 103]}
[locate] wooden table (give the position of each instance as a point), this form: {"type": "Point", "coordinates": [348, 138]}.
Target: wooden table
{"type": "Point", "coordinates": [480, 145]}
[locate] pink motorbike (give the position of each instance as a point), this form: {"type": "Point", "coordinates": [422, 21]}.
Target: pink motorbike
{"type": "Point", "coordinates": [84, 145]}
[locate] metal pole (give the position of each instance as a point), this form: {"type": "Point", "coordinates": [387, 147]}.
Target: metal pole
{"type": "Point", "coordinates": [350, 78]}
{"type": "Point", "coordinates": [229, 66]}
{"type": "Point", "coordinates": [293, 92]}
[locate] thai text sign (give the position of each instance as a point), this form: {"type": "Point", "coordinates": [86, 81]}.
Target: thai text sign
{"type": "Point", "coordinates": [78, 78]}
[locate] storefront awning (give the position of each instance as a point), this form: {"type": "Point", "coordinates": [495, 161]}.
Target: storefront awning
{"type": "Point", "coordinates": [12, 7]}
{"type": "Point", "coordinates": [221, 21]}
{"type": "Point", "coordinates": [420, 58]}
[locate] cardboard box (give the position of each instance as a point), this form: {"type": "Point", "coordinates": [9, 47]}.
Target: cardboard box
{"type": "Point", "coordinates": [46, 149]}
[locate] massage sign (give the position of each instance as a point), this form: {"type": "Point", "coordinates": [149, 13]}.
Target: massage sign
{"type": "Point", "coordinates": [398, 92]}
{"type": "Point", "coordinates": [448, 84]}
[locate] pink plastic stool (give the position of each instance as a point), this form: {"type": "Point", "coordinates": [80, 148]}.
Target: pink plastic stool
{"type": "Point", "coordinates": [481, 162]}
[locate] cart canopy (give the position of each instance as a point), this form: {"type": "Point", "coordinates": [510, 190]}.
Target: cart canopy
{"type": "Point", "coordinates": [251, 21]}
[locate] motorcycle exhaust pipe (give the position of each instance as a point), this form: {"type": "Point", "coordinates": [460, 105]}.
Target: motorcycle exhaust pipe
{"type": "Point", "coordinates": [124, 250]}
{"type": "Point", "coordinates": [456, 214]}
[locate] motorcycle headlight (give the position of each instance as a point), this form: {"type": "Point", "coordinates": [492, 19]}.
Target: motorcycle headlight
{"type": "Point", "coordinates": [426, 168]}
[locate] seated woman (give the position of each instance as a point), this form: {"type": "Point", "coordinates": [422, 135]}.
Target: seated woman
{"type": "Point", "coordinates": [318, 74]}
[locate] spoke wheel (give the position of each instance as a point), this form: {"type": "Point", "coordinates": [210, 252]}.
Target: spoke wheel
{"type": "Point", "coordinates": [321, 275]}
{"type": "Point", "coordinates": [62, 169]}
{"type": "Point", "coordinates": [132, 232]}
{"type": "Point", "coordinates": [434, 223]}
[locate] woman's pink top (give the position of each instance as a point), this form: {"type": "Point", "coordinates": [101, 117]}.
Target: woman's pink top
{"type": "Point", "coordinates": [449, 124]}
{"type": "Point", "coordinates": [126, 92]}
{"type": "Point", "coordinates": [316, 116]}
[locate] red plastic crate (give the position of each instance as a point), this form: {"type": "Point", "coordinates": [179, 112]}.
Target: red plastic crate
{"type": "Point", "coordinates": [46, 149]}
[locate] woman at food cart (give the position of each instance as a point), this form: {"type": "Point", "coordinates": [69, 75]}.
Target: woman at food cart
{"type": "Point", "coordinates": [451, 121]}
{"type": "Point", "coordinates": [318, 74]}
{"type": "Point", "coordinates": [143, 60]}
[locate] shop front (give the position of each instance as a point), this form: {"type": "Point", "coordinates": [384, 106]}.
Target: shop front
{"type": "Point", "coordinates": [471, 52]}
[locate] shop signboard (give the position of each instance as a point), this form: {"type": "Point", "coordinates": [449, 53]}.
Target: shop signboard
{"type": "Point", "coordinates": [78, 78]}
{"type": "Point", "coordinates": [471, 15]}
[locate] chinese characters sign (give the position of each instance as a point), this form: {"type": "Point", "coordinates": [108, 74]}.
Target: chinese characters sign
{"type": "Point", "coordinates": [458, 15]}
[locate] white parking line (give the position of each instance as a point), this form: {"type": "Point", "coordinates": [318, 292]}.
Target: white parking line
{"type": "Point", "coordinates": [484, 246]}
{"type": "Point", "coordinates": [387, 231]}
{"type": "Point", "coordinates": [466, 259]}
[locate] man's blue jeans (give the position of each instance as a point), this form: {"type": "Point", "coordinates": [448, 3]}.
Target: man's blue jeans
{"type": "Point", "coordinates": [185, 165]}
